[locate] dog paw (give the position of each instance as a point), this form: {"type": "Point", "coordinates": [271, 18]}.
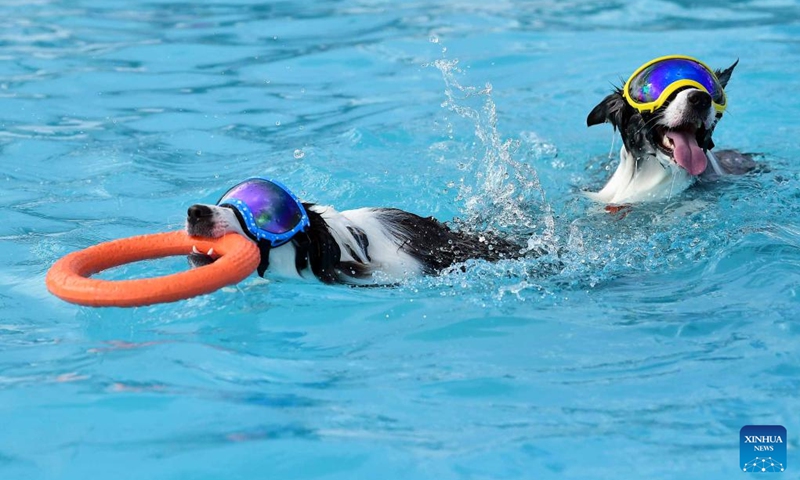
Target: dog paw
{"type": "Point", "coordinates": [621, 211]}
{"type": "Point", "coordinates": [734, 162]}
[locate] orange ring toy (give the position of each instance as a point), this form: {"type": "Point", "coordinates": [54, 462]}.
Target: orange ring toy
{"type": "Point", "coordinates": [68, 277]}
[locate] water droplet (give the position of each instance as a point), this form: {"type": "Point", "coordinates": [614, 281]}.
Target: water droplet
{"type": "Point", "coordinates": [198, 153]}
{"type": "Point", "coordinates": [298, 154]}
{"type": "Point", "coordinates": [434, 39]}
{"type": "Point", "coordinates": [278, 124]}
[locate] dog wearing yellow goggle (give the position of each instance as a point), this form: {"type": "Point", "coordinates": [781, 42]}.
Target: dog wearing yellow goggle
{"type": "Point", "coordinates": [666, 114]}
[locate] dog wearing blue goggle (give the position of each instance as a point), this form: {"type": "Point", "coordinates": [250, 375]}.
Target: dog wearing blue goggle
{"type": "Point", "coordinates": [366, 246]}
{"type": "Point", "coordinates": [666, 113]}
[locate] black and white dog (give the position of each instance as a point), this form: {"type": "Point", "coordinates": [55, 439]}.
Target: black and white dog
{"type": "Point", "coordinates": [666, 150]}
{"type": "Point", "coordinates": [367, 246]}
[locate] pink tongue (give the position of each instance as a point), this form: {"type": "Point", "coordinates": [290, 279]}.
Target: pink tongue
{"type": "Point", "coordinates": [687, 152]}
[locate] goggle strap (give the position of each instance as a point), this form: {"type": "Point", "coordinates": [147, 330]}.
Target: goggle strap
{"type": "Point", "coordinates": [709, 143]}
{"type": "Point", "coordinates": [264, 246]}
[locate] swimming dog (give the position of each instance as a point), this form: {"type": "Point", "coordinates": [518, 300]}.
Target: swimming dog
{"type": "Point", "coordinates": [666, 114]}
{"type": "Point", "coordinates": [366, 246]}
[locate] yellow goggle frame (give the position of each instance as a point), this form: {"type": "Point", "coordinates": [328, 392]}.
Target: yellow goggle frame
{"type": "Point", "coordinates": [672, 87]}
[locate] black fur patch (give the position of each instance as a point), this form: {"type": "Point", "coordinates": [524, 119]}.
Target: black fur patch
{"type": "Point", "coordinates": [301, 244]}
{"type": "Point", "coordinates": [724, 76]}
{"type": "Point", "coordinates": [363, 241]}
{"type": "Point", "coordinates": [636, 129]}
{"type": "Point", "coordinates": [612, 109]}
{"type": "Point", "coordinates": [436, 246]}
{"type": "Point", "coordinates": [324, 254]}
{"type": "Point", "coordinates": [197, 260]}
{"type": "Point", "coordinates": [354, 270]}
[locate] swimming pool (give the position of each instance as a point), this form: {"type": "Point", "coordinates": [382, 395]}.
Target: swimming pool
{"type": "Point", "coordinates": [640, 355]}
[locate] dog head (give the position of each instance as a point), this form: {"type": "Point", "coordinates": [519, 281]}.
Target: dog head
{"type": "Point", "coordinates": [217, 220]}
{"type": "Point", "coordinates": [314, 247]}
{"type": "Point", "coordinates": [262, 209]}
{"type": "Point", "coordinates": [677, 133]}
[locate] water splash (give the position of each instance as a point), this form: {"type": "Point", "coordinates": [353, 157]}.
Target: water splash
{"type": "Point", "coordinates": [508, 196]}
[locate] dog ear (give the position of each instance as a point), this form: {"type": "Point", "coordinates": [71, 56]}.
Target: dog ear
{"type": "Point", "coordinates": [609, 110]}
{"type": "Point", "coordinates": [324, 253]}
{"type": "Point", "coordinates": [725, 75]}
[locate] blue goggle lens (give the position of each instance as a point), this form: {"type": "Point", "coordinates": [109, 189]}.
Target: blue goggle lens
{"type": "Point", "coordinates": [269, 207]}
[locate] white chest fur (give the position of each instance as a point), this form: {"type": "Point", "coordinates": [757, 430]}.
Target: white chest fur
{"type": "Point", "coordinates": [650, 180]}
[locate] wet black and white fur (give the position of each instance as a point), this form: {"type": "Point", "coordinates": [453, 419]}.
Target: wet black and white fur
{"type": "Point", "coordinates": [647, 169]}
{"type": "Point", "coordinates": [367, 246]}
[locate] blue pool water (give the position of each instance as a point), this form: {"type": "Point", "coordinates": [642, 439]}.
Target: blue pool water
{"type": "Point", "coordinates": [640, 355]}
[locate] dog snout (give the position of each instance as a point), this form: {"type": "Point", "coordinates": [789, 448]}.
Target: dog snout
{"type": "Point", "coordinates": [699, 99]}
{"type": "Point", "coordinates": [197, 213]}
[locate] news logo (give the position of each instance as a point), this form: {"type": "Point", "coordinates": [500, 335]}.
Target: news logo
{"type": "Point", "coordinates": [762, 448]}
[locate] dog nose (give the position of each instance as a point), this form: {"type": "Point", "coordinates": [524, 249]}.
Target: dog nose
{"type": "Point", "coordinates": [198, 212]}
{"type": "Point", "coordinates": [699, 99]}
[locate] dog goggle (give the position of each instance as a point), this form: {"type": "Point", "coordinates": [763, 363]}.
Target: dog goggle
{"type": "Point", "coordinates": [267, 209]}
{"type": "Point", "coordinates": [653, 83]}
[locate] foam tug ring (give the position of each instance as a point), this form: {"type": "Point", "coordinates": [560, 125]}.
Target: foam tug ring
{"type": "Point", "coordinates": [236, 258]}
